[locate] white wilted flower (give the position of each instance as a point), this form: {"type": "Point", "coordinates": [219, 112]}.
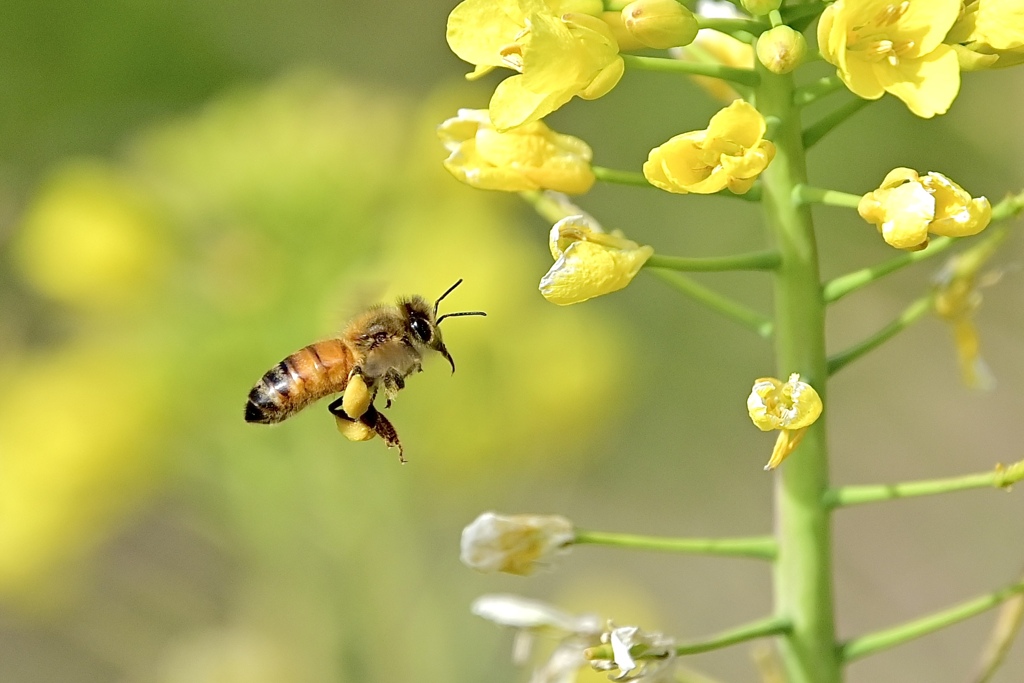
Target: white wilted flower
{"type": "Point", "coordinates": [636, 654]}
{"type": "Point", "coordinates": [514, 544]}
{"type": "Point", "coordinates": [532, 618]}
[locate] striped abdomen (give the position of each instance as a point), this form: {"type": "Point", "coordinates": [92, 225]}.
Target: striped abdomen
{"type": "Point", "coordinates": [316, 371]}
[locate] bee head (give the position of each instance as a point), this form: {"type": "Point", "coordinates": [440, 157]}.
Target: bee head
{"type": "Point", "coordinates": [424, 323]}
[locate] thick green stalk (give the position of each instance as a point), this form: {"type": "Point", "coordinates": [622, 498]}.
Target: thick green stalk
{"type": "Point", "coordinates": [803, 570]}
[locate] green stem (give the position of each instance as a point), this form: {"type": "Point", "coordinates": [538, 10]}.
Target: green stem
{"type": "Point", "coordinates": [908, 317]}
{"type": "Point", "coordinates": [771, 626]}
{"type": "Point", "coordinates": [836, 289]}
{"type": "Point", "coordinates": [664, 65]}
{"type": "Point", "coordinates": [805, 194]}
{"type": "Point", "coordinates": [730, 26]}
{"type": "Point", "coordinates": [611, 175]}
{"type": "Point", "coordinates": [760, 260]}
{"type": "Point", "coordinates": [763, 628]}
{"type": "Point", "coordinates": [803, 570]}
{"type": "Point", "coordinates": [737, 312]}
{"type": "Point", "coordinates": [1008, 208]}
{"type": "Point", "coordinates": [826, 124]}
{"type": "Point", "coordinates": [897, 635]}
{"type": "Point", "coordinates": [812, 92]}
{"type": "Point", "coordinates": [1001, 477]}
{"type": "Point", "coordinates": [759, 547]}
{"type": "Point", "coordinates": [551, 206]}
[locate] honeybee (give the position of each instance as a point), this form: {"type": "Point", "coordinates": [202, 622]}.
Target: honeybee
{"type": "Point", "coordinates": [378, 350]}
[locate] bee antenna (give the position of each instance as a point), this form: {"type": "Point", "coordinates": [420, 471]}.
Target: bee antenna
{"type": "Point", "coordinates": [446, 293]}
{"type": "Point", "coordinates": [456, 315]}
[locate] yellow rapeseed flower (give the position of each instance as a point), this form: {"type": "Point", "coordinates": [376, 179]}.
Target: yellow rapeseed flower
{"type": "Point", "coordinates": [589, 262]}
{"type": "Point", "coordinates": [731, 153]}
{"type": "Point", "coordinates": [908, 206]}
{"type": "Point", "coordinates": [529, 157]}
{"type": "Point", "coordinates": [790, 407]}
{"type": "Point", "coordinates": [989, 34]}
{"type": "Point", "coordinates": [957, 297]}
{"type": "Point", "coordinates": [881, 46]}
{"type": "Point", "coordinates": [559, 48]}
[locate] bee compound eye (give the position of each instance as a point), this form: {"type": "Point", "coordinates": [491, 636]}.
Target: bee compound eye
{"type": "Point", "coordinates": [421, 328]}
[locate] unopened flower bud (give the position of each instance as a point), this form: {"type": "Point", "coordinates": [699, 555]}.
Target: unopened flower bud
{"type": "Point", "coordinates": [761, 7]}
{"type": "Point", "coordinates": [660, 24]}
{"type": "Point", "coordinates": [781, 49]}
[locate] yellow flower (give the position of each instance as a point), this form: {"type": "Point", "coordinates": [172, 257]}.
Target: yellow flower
{"type": "Point", "coordinates": [908, 206]}
{"type": "Point", "coordinates": [989, 34]}
{"type": "Point", "coordinates": [957, 297]}
{"type": "Point", "coordinates": [790, 407]}
{"type": "Point", "coordinates": [529, 157]}
{"type": "Point", "coordinates": [589, 262]}
{"type": "Point", "coordinates": [731, 153]}
{"type": "Point", "coordinates": [889, 46]}
{"type": "Point", "coordinates": [559, 51]}
{"type": "Point", "coordinates": [514, 544]}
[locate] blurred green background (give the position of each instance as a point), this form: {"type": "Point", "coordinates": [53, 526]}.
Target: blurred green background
{"type": "Point", "coordinates": [191, 191]}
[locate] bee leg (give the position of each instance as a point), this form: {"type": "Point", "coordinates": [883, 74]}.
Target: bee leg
{"type": "Point", "coordinates": [383, 427]}
{"type": "Point", "coordinates": [374, 420]}
{"type": "Point", "coordinates": [393, 383]}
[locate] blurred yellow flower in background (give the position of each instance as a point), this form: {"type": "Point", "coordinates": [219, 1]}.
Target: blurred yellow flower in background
{"type": "Point", "coordinates": [908, 206]}
{"type": "Point", "coordinates": [528, 157]}
{"type": "Point", "coordinates": [958, 296]}
{"type": "Point", "coordinates": [560, 49]}
{"type": "Point", "coordinates": [790, 407]}
{"type": "Point", "coordinates": [730, 153]}
{"type": "Point", "coordinates": [92, 238]}
{"type": "Point", "coordinates": [880, 46]}
{"type": "Point", "coordinates": [714, 47]}
{"type": "Point", "coordinates": [80, 440]}
{"type": "Point", "coordinates": [589, 262]}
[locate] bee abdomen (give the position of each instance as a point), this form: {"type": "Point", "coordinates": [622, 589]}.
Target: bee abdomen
{"type": "Point", "coordinates": [307, 375]}
{"type": "Point", "coordinates": [272, 398]}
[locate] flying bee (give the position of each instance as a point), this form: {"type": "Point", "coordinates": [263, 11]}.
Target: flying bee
{"type": "Point", "coordinates": [378, 350]}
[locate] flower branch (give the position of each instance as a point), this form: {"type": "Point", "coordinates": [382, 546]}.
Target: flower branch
{"type": "Point", "coordinates": [908, 317]}
{"type": "Point", "coordinates": [746, 77]}
{"type": "Point", "coordinates": [1008, 208]}
{"type": "Point", "coordinates": [737, 312]}
{"type": "Point", "coordinates": [897, 635]}
{"type": "Point", "coordinates": [771, 626]}
{"type": "Point", "coordinates": [826, 124]}
{"type": "Point", "coordinates": [1000, 477]}
{"type": "Point", "coordinates": [805, 194]}
{"type": "Point", "coordinates": [758, 547]}
{"type": "Point", "coordinates": [846, 284]}
{"type": "Point", "coordinates": [760, 260]}
{"type": "Point", "coordinates": [811, 93]}
{"type": "Point", "coordinates": [611, 175]}
{"type": "Point", "coordinates": [729, 25]}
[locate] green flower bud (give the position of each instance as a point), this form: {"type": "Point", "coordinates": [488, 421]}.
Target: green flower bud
{"type": "Point", "coordinates": [660, 24]}
{"type": "Point", "coordinates": [781, 49]}
{"type": "Point", "coordinates": [761, 7]}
